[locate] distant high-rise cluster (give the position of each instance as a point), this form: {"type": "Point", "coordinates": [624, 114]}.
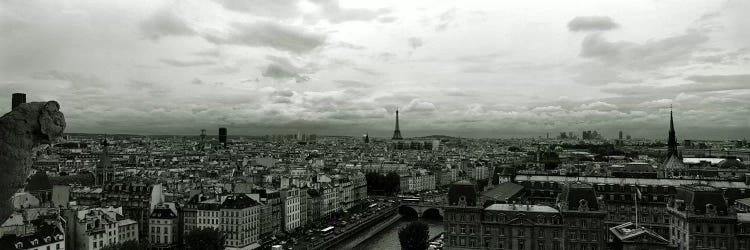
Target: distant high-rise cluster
{"type": "Point", "coordinates": [591, 135]}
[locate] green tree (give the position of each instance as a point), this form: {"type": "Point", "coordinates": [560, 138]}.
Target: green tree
{"type": "Point", "coordinates": [414, 236]}
{"type": "Point", "coordinates": [205, 239]}
{"type": "Point", "coordinates": [128, 245]}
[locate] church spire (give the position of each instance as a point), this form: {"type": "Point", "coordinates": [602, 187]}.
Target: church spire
{"type": "Point", "coordinates": [397, 131]}
{"type": "Point", "coordinates": [672, 142]}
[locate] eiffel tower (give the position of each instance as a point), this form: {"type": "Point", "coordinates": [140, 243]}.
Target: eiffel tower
{"type": "Point", "coordinates": [397, 131]}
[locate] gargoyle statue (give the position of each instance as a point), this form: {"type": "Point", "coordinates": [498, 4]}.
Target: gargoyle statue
{"type": "Point", "coordinates": [23, 128]}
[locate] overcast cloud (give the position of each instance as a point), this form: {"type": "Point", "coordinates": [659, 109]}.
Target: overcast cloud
{"type": "Point", "coordinates": [474, 68]}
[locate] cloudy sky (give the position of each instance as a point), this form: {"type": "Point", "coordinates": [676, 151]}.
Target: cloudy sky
{"type": "Point", "coordinates": [480, 69]}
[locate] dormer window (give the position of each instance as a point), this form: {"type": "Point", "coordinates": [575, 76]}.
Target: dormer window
{"type": "Point", "coordinates": [583, 205]}
{"type": "Point", "coordinates": [19, 245]}
{"type": "Point", "coordinates": [35, 242]}
{"type": "Point", "coordinates": [47, 239]}
{"type": "Point", "coordinates": [710, 209]}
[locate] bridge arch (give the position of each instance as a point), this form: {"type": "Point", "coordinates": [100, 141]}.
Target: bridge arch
{"type": "Point", "coordinates": [408, 212]}
{"type": "Point", "coordinates": [433, 213]}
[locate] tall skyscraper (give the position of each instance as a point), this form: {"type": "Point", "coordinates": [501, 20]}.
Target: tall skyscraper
{"type": "Point", "coordinates": [397, 131]}
{"type": "Point", "coordinates": [621, 135]}
{"type": "Point", "coordinates": [18, 98]}
{"type": "Point", "coordinates": [223, 137]}
{"type": "Point", "coordinates": [672, 142]}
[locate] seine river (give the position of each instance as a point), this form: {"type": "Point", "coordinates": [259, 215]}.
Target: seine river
{"type": "Point", "coordinates": [388, 238]}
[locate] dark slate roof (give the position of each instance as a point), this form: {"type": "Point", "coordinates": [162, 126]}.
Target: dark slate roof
{"type": "Point", "coordinates": [698, 196]}
{"type": "Point", "coordinates": [238, 201]}
{"type": "Point", "coordinates": [313, 192]}
{"type": "Point", "coordinates": [9, 241]}
{"type": "Point", "coordinates": [38, 181]}
{"type": "Point", "coordinates": [163, 213]}
{"type": "Point", "coordinates": [577, 192]}
{"type": "Point", "coordinates": [503, 191]}
{"type": "Point", "coordinates": [464, 189]}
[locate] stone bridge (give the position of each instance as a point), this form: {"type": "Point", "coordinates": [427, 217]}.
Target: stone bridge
{"type": "Point", "coordinates": [423, 208]}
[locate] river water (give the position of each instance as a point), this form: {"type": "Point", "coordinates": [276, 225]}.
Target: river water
{"type": "Point", "coordinates": [388, 238]}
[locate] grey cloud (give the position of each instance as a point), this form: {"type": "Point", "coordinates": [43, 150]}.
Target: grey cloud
{"type": "Point", "coordinates": [349, 46]}
{"type": "Point", "coordinates": [415, 42]}
{"type": "Point", "coordinates": [271, 34]}
{"type": "Point", "coordinates": [700, 83]}
{"type": "Point", "coordinates": [358, 114]}
{"type": "Point", "coordinates": [284, 93]}
{"type": "Point", "coordinates": [480, 58]}
{"type": "Point", "coordinates": [197, 81]}
{"type": "Point", "coordinates": [352, 84]}
{"type": "Point", "coordinates": [628, 62]}
{"type": "Point", "coordinates": [459, 92]}
{"type": "Point", "coordinates": [275, 8]}
{"type": "Point", "coordinates": [367, 71]}
{"type": "Point", "coordinates": [281, 96]}
{"type": "Point", "coordinates": [737, 80]}
{"type": "Point", "coordinates": [386, 56]}
{"type": "Point", "coordinates": [591, 23]}
{"type": "Point", "coordinates": [649, 55]}
{"type": "Point", "coordinates": [417, 105]}
{"type": "Point", "coordinates": [387, 19]}
{"type": "Point", "coordinates": [148, 87]}
{"type": "Point", "coordinates": [186, 63]}
{"type": "Point", "coordinates": [139, 85]}
{"type": "Point", "coordinates": [723, 57]}
{"type": "Point", "coordinates": [282, 68]}
{"type": "Point", "coordinates": [330, 10]}
{"type": "Point", "coordinates": [598, 105]}
{"type": "Point", "coordinates": [165, 23]}
{"type": "Point", "coordinates": [333, 12]}
{"type": "Point", "coordinates": [78, 82]}
{"type": "Point", "coordinates": [445, 19]}
{"type": "Point", "coordinates": [213, 53]}
{"type": "Point", "coordinates": [396, 98]}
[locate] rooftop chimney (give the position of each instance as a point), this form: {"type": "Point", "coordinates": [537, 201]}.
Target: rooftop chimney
{"type": "Point", "coordinates": [18, 98]}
